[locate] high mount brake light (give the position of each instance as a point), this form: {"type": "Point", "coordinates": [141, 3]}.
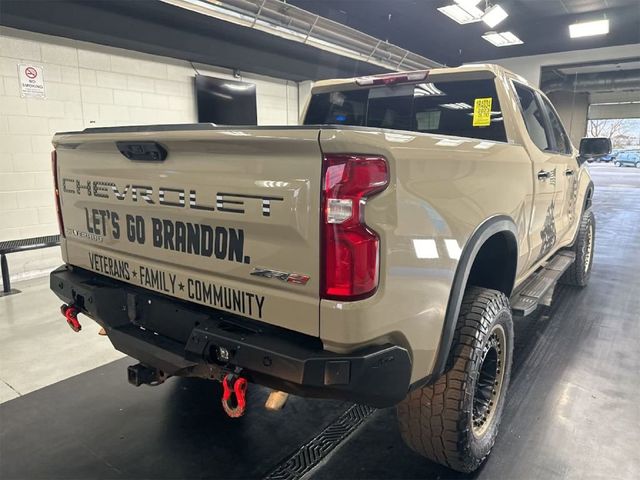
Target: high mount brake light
{"type": "Point", "coordinates": [391, 79]}
{"type": "Point", "coordinates": [54, 167]}
{"type": "Point", "coordinates": [350, 249]}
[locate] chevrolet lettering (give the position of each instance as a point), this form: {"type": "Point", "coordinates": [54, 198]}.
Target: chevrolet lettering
{"type": "Point", "coordinates": [168, 196]}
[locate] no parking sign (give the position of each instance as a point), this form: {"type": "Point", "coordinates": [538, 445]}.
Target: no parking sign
{"type": "Point", "coordinates": [31, 81]}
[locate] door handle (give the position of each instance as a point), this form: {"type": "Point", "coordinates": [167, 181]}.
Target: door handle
{"type": "Point", "coordinates": [544, 175]}
{"type": "Point", "coordinates": [569, 172]}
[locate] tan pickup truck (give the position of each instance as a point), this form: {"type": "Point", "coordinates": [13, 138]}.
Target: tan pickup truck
{"type": "Point", "coordinates": [377, 253]}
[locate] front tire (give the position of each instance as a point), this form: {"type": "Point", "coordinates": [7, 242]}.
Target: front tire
{"type": "Point", "coordinates": [455, 420]}
{"type": "Point", "coordinates": [579, 273]}
{"type": "Point", "coordinates": [617, 164]}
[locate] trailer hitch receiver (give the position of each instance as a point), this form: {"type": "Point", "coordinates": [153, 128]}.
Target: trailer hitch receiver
{"type": "Point", "coordinates": [234, 389]}
{"type": "Point", "coordinates": [144, 375]}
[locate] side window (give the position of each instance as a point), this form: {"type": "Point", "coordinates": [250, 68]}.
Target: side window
{"type": "Point", "coordinates": [533, 117]}
{"type": "Point", "coordinates": [563, 144]}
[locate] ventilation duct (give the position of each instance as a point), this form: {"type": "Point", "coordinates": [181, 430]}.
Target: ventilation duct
{"type": "Point", "coordinates": [292, 23]}
{"type": "Point", "coordinates": [595, 82]}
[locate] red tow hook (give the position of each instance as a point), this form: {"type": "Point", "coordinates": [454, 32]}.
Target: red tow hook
{"type": "Point", "coordinates": [234, 385]}
{"type": "Point", "coordinates": [71, 314]}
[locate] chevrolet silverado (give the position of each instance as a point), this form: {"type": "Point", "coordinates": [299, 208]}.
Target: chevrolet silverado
{"type": "Point", "coordinates": [377, 253]}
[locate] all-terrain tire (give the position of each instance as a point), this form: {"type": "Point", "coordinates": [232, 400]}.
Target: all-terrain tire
{"type": "Point", "coordinates": [440, 421]}
{"type": "Point", "coordinates": [578, 274]}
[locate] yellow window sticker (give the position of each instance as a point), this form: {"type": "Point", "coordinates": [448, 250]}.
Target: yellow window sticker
{"type": "Point", "coordinates": [482, 112]}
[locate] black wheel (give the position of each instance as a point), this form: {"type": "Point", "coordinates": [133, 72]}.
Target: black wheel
{"type": "Point", "coordinates": [578, 274]}
{"type": "Point", "coordinates": [455, 420]}
{"type": "Point", "coordinates": [637, 164]}
{"type": "Point", "coordinates": [617, 164]}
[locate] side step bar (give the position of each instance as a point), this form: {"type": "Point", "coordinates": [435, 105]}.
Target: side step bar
{"type": "Point", "coordinates": [537, 290]}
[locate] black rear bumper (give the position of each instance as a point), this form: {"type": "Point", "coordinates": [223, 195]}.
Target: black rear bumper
{"type": "Point", "coordinates": [179, 338]}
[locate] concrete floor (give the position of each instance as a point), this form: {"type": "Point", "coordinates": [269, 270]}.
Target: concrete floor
{"type": "Point", "coordinates": [572, 410]}
{"type": "Point", "coordinates": [37, 348]}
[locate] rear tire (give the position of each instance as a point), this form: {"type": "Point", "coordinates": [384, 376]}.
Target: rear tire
{"type": "Point", "coordinates": [637, 164]}
{"type": "Point", "coordinates": [455, 420]}
{"type": "Point", "coordinates": [578, 274]}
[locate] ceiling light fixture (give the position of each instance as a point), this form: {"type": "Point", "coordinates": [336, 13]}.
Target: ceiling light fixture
{"type": "Point", "coordinates": [589, 29]}
{"type": "Point", "coordinates": [463, 11]}
{"type": "Point", "coordinates": [503, 39]}
{"type": "Point", "coordinates": [494, 15]}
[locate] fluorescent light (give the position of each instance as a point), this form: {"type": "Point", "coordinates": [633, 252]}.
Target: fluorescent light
{"type": "Point", "coordinates": [469, 7]}
{"type": "Point", "coordinates": [494, 16]}
{"type": "Point", "coordinates": [462, 12]}
{"type": "Point", "coordinates": [457, 106]}
{"type": "Point", "coordinates": [503, 39]}
{"type": "Point", "coordinates": [588, 29]}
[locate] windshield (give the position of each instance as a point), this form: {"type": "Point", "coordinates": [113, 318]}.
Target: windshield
{"type": "Point", "coordinates": [445, 108]}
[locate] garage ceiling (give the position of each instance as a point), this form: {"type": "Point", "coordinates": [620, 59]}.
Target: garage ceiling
{"type": "Point", "coordinates": [542, 24]}
{"type": "Point", "coordinates": [155, 27]}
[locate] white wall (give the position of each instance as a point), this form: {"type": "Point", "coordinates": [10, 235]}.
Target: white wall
{"type": "Point", "coordinates": [89, 85]}
{"type": "Point", "coordinates": [529, 67]}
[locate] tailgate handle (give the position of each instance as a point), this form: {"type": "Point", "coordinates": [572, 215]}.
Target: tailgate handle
{"type": "Point", "coordinates": [148, 151]}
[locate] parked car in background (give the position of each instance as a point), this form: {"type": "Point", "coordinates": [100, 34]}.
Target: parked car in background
{"type": "Point", "coordinates": [629, 158]}
{"type": "Point", "coordinates": [604, 158]}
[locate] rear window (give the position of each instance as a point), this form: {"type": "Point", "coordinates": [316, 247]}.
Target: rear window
{"type": "Point", "coordinates": [445, 108]}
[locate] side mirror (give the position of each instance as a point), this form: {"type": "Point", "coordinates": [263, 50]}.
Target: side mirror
{"type": "Point", "coordinates": [594, 147]}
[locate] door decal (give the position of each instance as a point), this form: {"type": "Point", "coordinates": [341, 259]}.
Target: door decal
{"type": "Point", "coordinates": [548, 232]}
{"type": "Point", "coordinates": [573, 198]}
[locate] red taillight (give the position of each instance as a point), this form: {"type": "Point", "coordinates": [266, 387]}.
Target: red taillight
{"type": "Point", "coordinates": [350, 248]}
{"type": "Point", "coordinates": [54, 167]}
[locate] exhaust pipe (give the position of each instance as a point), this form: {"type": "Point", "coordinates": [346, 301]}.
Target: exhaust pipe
{"type": "Point", "coordinates": [276, 400]}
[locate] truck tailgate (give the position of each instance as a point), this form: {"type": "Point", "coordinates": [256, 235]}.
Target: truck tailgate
{"type": "Point", "coordinates": [229, 219]}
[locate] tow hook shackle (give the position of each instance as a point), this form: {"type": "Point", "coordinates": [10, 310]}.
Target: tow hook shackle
{"type": "Point", "coordinates": [234, 389]}
{"type": "Point", "coordinates": [70, 313]}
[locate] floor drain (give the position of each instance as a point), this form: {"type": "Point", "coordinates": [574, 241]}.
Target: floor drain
{"type": "Point", "coordinates": [311, 453]}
